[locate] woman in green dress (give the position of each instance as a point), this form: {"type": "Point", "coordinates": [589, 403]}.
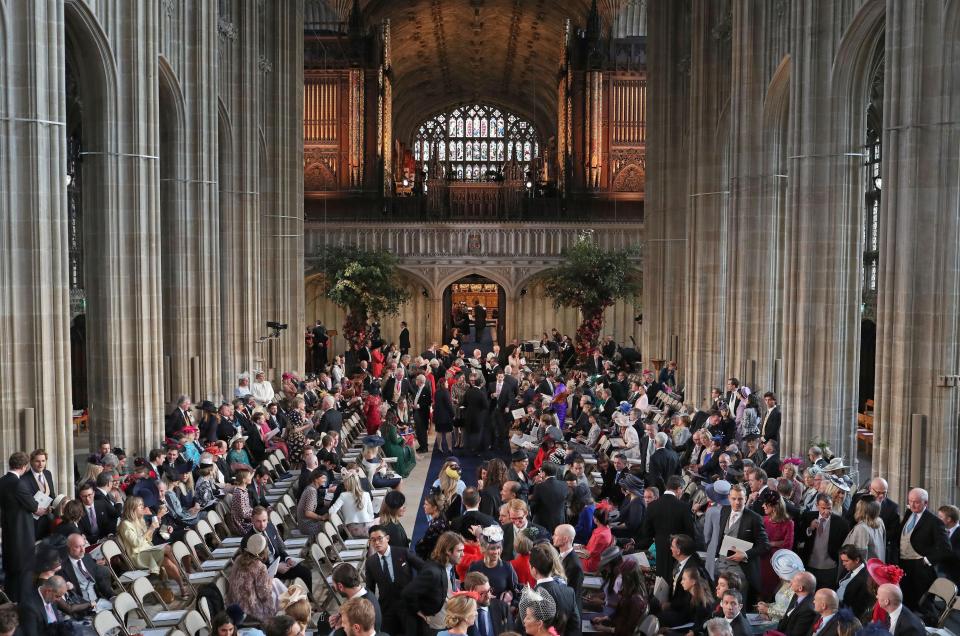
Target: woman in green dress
{"type": "Point", "coordinates": [396, 447]}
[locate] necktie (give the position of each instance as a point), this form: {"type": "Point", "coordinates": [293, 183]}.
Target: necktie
{"type": "Point", "coordinates": [83, 570]}
{"type": "Point", "coordinates": [821, 527]}
{"type": "Point", "coordinates": [93, 519]}
{"type": "Point", "coordinates": [386, 568]}
{"type": "Point", "coordinates": [911, 524]}
{"type": "Point", "coordinates": [43, 482]}
{"type": "Point", "coordinates": [454, 586]}
{"type": "Point", "coordinates": [734, 518]}
{"type": "Point", "coordinates": [816, 626]}
{"type": "Point", "coordinates": [792, 605]}
{"type": "Point", "coordinates": [51, 615]}
{"type": "Point", "coordinates": [482, 623]}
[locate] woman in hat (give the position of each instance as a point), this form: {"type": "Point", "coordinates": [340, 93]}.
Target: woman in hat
{"type": "Point", "coordinates": [881, 573]}
{"type": "Point", "coordinates": [371, 409]}
{"type": "Point", "coordinates": [205, 491]}
{"type": "Point", "coordinates": [538, 613]}
{"type": "Point", "coordinates": [238, 456]}
{"type": "Point", "coordinates": [93, 469]}
{"type": "Point", "coordinates": [173, 478]}
{"type": "Point", "coordinates": [243, 385]}
{"type": "Point", "coordinates": [391, 513]}
{"type": "Point", "coordinates": [779, 527]}
{"type": "Point", "coordinates": [452, 487]}
{"type": "Point", "coordinates": [629, 435]}
{"type": "Point", "coordinates": [869, 534]}
{"type": "Point", "coordinates": [460, 613]}
{"type": "Point", "coordinates": [502, 576]}
{"type": "Point", "coordinates": [374, 467]}
{"type": "Point", "coordinates": [600, 539]}
{"type": "Point", "coordinates": [785, 565]}
{"type": "Point", "coordinates": [632, 606]}
{"type": "Point", "coordinates": [395, 446]}
{"type": "Point", "coordinates": [250, 585]}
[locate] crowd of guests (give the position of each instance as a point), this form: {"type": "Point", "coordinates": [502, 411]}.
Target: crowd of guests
{"type": "Point", "coordinates": [602, 497]}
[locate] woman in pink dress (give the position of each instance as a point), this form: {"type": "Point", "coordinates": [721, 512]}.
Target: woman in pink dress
{"type": "Point", "coordinates": [600, 539]}
{"type": "Point", "coordinates": [779, 527]}
{"type": "Point", "coordinates": [376, 362]}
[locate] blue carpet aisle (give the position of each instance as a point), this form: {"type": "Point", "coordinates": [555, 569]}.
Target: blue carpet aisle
{"type": "Point", "coordinates": [469, 462]}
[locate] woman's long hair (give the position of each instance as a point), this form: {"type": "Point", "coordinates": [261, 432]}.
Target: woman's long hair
{"type": "Point", "coordinates": [701, 594]}
{"type": "Point", "coordinates": [496, 474]}
{"type": "Point", "coordinates": [352, 485]}
{"type": "Point", "coordinates": [131, 512]}
{"type": "Point", "coordinates": [868, 511]}
{"type": "Point", "coordinates": [448, 485]}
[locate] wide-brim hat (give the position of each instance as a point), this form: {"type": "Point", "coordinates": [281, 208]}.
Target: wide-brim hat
{"type": "Point", "coordinates": [519, 456]}
{"type": "Point", "coordinates": [632, 483]}
{"type": "Point", "coordinates": [882, 572]}
{"type": "Point", "coordinates": [786, 563]}
{"type": "Point", "coordinates": [835, 464]}
{"type": "Point", "coordinates": [554, 433]}
{"type": "Point", "coordinates": [206, 406]}
{"type": "Point", "coordinates": [189, 429]}
{"type": "Point", "coordinates": [237, 438]}
{"type": "Point", "coordinates": [213, 449]}
{"type": "Point", "coordinates": [609, 555]}
{"type": "Point", "coordinates": [373, 441]}
{"type": "Point", "coordinates": [719, 492]}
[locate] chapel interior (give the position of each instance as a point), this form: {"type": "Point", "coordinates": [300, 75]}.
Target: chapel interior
{"type": "Point", "coordinates": [173, 171]}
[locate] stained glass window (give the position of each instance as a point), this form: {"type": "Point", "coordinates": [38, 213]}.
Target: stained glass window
{"type": "Point", "coordinates": [491, 135]}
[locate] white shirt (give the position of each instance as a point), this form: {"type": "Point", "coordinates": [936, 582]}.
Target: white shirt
{"type": "Point", "coordinates": [846, 581]}
{"type": "Point", "coordinates": [894, 617]}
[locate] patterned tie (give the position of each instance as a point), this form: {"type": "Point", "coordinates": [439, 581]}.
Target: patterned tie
{"type": "Point", "coordinates": [93, 519]}
{"type": "Point", "coordinates": [454, 584]}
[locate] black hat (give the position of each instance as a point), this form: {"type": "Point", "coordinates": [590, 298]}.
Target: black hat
{"type": "Point", "coordinates": [519, 456]}
{"type": "Point", "coordinates": [206, 406]}
{"type": "Point", "coordinates": [751, 436]}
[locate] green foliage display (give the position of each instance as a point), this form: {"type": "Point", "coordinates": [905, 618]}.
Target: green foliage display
{"type": "Point", "coordinates": [592, 279]}
{"type": "Point", "coordinates": [365, 283]}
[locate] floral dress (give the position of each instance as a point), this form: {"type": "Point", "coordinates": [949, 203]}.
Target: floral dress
{"type": "Point", "coordinates": [438, 525]}
{"type": "Point", "coordinates": [295, 439]}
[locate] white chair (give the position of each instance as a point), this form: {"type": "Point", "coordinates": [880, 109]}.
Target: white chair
{"type": "Point", "coordinates": [946, 591]}
{"type": "Point", "coordinates": [210, 537]}
{"type": "Point", "coordinates": [194, 623]}
{"type": "Point", "coordinates": [204, 607]}
{"type": "Point", "coordinates": [123, 605]}
{"type": "Point", "coordinates": [649, 626]}
{"type": "Point", "coordinates": [111, 550]}
{"type": "Point", "coordinates": [106, 624]}
{"type": "Point", "coordinates": [345, 544]}
{"type": "Point", "coordinates": [142, 589]}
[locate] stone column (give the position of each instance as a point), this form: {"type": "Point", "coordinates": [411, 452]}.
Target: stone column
{"type": "Point", "coordinates": [240, 228]}
{"type": "Point", "coordinates": [117, 51]}
{"type": "Point", "coordinates": [282, 198]}
{"type": "Point", "coordinates": [918, 308]}
{"type": "Point", "coordinates": [34, 283]}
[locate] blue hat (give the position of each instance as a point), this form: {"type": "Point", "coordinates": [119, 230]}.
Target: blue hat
{"type": "Point", "coordinates": [373, 440]}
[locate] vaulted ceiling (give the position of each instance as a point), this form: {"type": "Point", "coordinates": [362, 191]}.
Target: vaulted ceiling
{"type": "Point", "coordinates": [507, 52]}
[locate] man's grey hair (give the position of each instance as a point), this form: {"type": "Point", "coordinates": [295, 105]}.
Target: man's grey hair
{"type": "Point", "coordinates": [718, 627]}
{"type": "Point", "coordinates": [54, 584]}
{"type": "Point", "coordinates": [661, 439]}
{"type": "Point", "coordinates": [181, 399]}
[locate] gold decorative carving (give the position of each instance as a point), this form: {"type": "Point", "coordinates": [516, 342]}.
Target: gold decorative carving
{"type": "Point", "coordinates": [319, 170]}
{"type": "Point", "coordinates": [631, 178]}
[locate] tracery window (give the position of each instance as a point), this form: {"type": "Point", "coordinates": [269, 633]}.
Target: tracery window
{"type": "Point", "coordinates": [473, 142]}
{"type": "Point", "coordinates": [873, 154]}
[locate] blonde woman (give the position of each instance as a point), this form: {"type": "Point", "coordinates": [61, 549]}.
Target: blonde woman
{"type": "Point", "coordinates": [869, 534]}
{"type": "Point", "coordinates": [451, 486]}
{"type": "Point", "coordinates": [356, 506]}
{"type": "Point", "coordinates": [93, 470]}
{"type": "Point", "coordinates": [136, 536]}
{"type": "Point", "coordinates": [295, 603]}
{"type": "Point", "coordinates": [461, 613]}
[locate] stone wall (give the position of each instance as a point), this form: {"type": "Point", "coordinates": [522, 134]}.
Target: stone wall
{"type": "Point", "coordinates": [766, 101]}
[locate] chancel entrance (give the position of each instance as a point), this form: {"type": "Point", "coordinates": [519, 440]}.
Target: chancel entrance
{"type": "Point", "coordinates": [474, 312]}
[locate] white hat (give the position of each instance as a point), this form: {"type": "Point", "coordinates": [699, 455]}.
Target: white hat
{"type": "Point", "coordinates": [786, 564]}
{"type": "Point", "coordinates": [256, 544]}
{"type": "Point", "coordinates": [835, 464]}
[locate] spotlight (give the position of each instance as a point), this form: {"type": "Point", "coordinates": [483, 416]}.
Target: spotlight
{"type": "Point", "coordinates": [406, 183]}
{"type": "Point", "coordinates": [529, 184]}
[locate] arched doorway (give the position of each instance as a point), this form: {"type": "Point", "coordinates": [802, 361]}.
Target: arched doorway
{"type": "Point", "coordinates": [460, 299]}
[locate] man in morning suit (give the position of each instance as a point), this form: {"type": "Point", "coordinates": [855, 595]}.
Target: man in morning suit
{"type": "Point", "coordinates": [37, 607]}
{"type": "Point", "coordinates": [90, 580]}
{"type": "Point", "coordinates": [770, 426]}
{"type": "Point", "coordinates": [471, 514]}
{"type": "Point", "coordinates": [404, 339]}
{"type": "Point", "coordinates": [548, 498]}
{"type": "Point", "coordinates": [852, 589]}
{"type": "Point", "coordinates": [667, 516]}
{"type": "Point", "coordinates": [286, 570]}
{"type": "Point", "coordinates": [744, 524]}
{"type": "Point", "coordinates": [421, 412]}
{"type": "Point", "coordinates": [826, 605]}
{"type": "Point", "coordinates": [731, 604]}
{"type": "Point", "coordinates": [923, 543]}
{"type": "Point", "coordinates": [387, 571]}
{"type": "Point", "coordinates": [541, 563]}
{"type": "Point", "coordinates": [479, 320]}
{"type": "Point", "coordinates": [520, 523]}
{"type": "Point", "coordinates": [819, 539]}
{"type": "Point", "coordinates": [573, 570]}
{"type": "Point", "coordinates": [435, 581]}
{"type": "Point", "coordinates": [17, 507]}
{"type": "Point", "coordinates": [903, 622]}
{"type": "Point", "coordinates": [950, 564]}
{"type": "Point", "coordinates": [100, 517]}
{"type": "Point", "coordinates": [664, 462]}
{"type": "Point", "coordinates": [37, 479]}
{"type": "Point", "coordinates": [800, 613]}
{"type": "Point", "coordinates": [493, 615]}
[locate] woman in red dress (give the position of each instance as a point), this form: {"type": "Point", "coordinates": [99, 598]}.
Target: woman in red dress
{"type": "Point", "coordinates": [779, 527]}
{"type": "Point", "coordinates": [371, 410]}
{"type": "Point", "coordinates": [376, 362]}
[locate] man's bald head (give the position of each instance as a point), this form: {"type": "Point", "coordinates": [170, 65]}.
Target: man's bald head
{"type": "Point", "coordinates": [826, 601]}
{"type": "Point", "coordinates": [803, 583]}
{"type": "Point", "coordinates": [889, 597]}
